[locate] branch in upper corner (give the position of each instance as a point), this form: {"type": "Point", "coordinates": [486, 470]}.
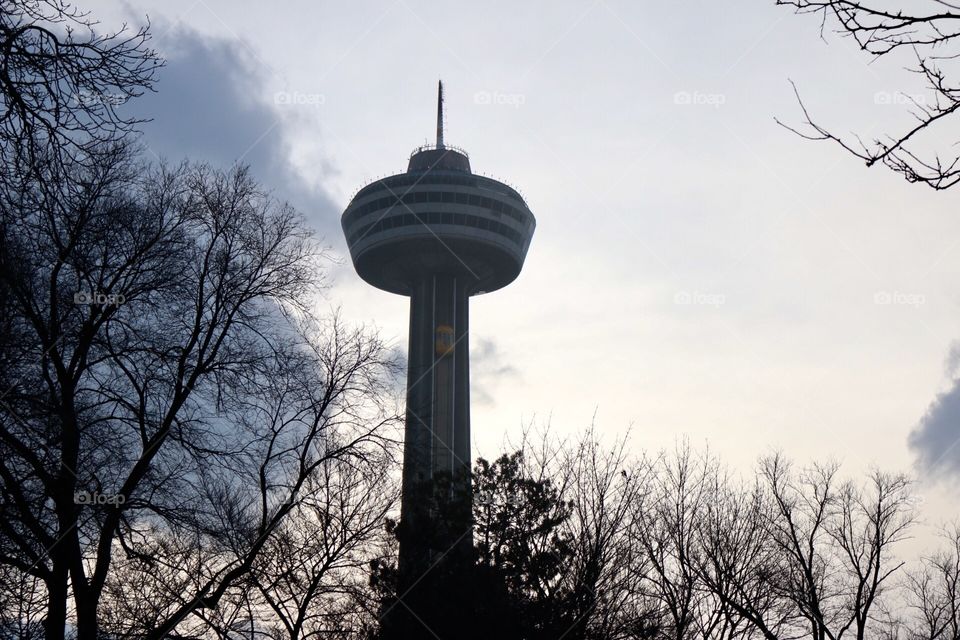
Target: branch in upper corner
{"type": "Point", "coordinates": [878, 31]}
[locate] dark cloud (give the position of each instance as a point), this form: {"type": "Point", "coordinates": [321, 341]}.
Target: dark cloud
{"type": "Point", "coordinates": [936, 439]}
{"type": "Point", "coordinates": [487, 370]}
{"type": "Point", "coordinates": [213, 104]}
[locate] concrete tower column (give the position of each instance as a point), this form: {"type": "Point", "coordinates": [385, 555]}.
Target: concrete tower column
{"type": "Point", "coordinates": [437, 434]}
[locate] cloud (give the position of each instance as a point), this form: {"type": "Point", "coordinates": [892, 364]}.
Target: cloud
{"type": "Point", "coordinates": [213, 104]}
{"type": "Point", "coordinates": [951, 364]}
{"type": "Point", "coordinates": [487, 370]}
{"type": "Point", "coordinates": [397, 383]}
{"type": "Point", "coordinates": [936, 439]}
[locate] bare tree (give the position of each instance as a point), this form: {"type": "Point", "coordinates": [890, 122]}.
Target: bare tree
{"type": "Point", "coordinates": [312, 574]}
{"type": "Point", "coordinates": [836, 539]}
{"type": "Point", "coordinates": [167, 398]}
{"type": "Point", "coordinates": [933, 593]}
{"type": "Point", "coordinates": [606, 594]}
{"type": "Point", "coordinates": [793, 554]}
{"type": "Point", "coordinates": [665, 527]}
{"type": "Point", "coordinates": [707, 552]}
{"type": "Point", "coordinates": [929, 31]}
{"type": "Point", "coordinates": [737, 562]}
{"type": "Point", "coordinates": [22, 604]}
{"type": "Point", "coordinates": [168, 401]}
{"type": "Point", "coordinates": [61, 86]}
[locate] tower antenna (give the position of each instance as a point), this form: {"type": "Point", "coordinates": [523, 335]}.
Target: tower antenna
{"type": "Point", "coordinates": [440, 114]}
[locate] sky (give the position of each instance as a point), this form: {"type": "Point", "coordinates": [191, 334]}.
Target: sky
{"type": "Point", "coordinates": [698, 272]}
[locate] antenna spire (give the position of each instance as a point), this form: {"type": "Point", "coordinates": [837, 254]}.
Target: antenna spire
{"type": "Point", "coordinates": [440, 114]}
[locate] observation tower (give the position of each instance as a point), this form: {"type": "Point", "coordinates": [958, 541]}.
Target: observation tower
{"type": "Point", "coordinates": [438, 234]}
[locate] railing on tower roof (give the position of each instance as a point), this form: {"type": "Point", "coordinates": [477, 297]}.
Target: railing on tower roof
{"type": "Point", "coordinates": [435, 147]}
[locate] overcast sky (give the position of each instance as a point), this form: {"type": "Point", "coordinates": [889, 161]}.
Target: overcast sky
{"type": "Point", "coordinates": [697, 270]}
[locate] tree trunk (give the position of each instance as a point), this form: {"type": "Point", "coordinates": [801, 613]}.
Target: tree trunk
{"type": "Point", "coordinates": [56, 621]}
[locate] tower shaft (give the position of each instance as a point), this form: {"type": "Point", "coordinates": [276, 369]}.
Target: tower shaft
{"type": "Point", "coordinates": [436, 484]}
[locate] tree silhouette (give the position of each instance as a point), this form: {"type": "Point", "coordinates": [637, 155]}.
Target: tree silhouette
{"type": "Point", "coordinates": [520, 541]}
{"type": "Point", "coordinates": [62, 86]}
{"type": "Point", "coordinates": [168, 397]}
{"type": "Point", "coordinates": [168, 403]}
